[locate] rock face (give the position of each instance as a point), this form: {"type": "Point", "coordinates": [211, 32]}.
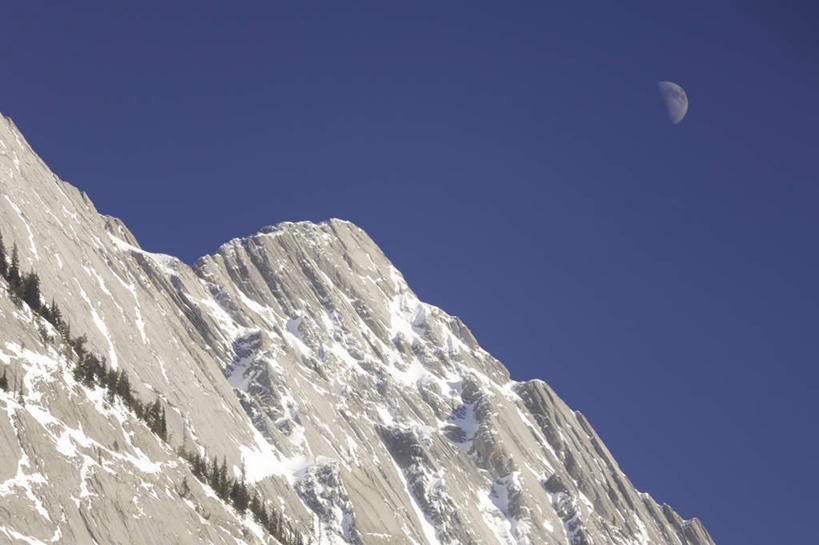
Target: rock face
{"type": "Point", "coordinates": [300, 355]}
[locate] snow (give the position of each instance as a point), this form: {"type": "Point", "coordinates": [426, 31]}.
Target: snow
{"type": "Point", "coordinates": [295, 337]}
{"type": "Point", "coordinates": [23, 480]}
{"type": "Point", "coordinates": [25, 223]}
{"type": "Point", "coordinates": [260, 465]}
{"type": "Point", "coordinates": [21, 537]}
{"type": "Point", "coordinates": [387, 415]}
{"type": "Point", "coordinates": [40, 373]}
{"type": "Point", "coordinates": [112, 354]}
{"type": "Point", "coordinates": [162, 368]}
{"type": "Point", "coordinates": [407, 313]}
{"type": "Point", "coordinates": [165, 263]}
{"type": "Point", "coordinates": [426, 527]}
{"type": "Point", "coordinates": [464, 418]}
{"type": "Point", "coordinates": [226, 323]}
{"type": "Point", "coordinates": [513, 530]}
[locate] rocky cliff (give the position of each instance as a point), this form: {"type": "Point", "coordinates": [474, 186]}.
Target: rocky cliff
{"type": "Point", "coordinates": [301, 357]}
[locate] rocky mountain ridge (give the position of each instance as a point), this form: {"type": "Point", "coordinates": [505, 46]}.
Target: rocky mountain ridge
{"type": "Point", "coordinates": [299, 355]}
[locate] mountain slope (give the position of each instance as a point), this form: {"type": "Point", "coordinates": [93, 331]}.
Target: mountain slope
{"type": "Point", "coordinates": [302, 357]}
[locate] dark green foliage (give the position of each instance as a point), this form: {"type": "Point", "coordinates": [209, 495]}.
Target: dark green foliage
{"type": "Point", "coordinates": [14, 271]}
{"type": "Point", "coordinates": [255, 505]}
{"type": "Point", "coordinates": [154, 417]}
{"type": "Point", "coordinates": [199, 466]}
{"type": "Point", "coordinates": [236, 493]}
{"type": "Point", "coordinates": [111, 385]}
{"type": "Point", "coordinates": [239, 496]}
{"type": "Point", "coordinates": [90, 370]}
{"type": "Point", "coordinates": [4, 266]}
{"type": "Point", "coordinates": [261, 517]}
{"type": "Point", "coordinates": [123, 388]}
{"type": "Point", "coordinates": [224, 486]}
{"type": "Point", "coordinates": [78, 372]}
{"type": "Point", "coordinates": [93, 371]}
{"type": "Point", "coordinates": [213, 474]}
{"type": "Point", "coordinates": [78, 344]}
{"type": "Point", "coordinates": [30, 291]}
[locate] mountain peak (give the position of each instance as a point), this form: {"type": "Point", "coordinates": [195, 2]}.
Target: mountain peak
{"type": "Point", "coordinates": [300, 361]}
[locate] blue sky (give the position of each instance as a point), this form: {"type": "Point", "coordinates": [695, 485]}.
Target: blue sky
{"type": "Point", "coordinates": [516, 164]}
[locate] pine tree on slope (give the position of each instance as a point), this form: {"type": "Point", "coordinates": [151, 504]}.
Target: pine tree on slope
{"type": "Point", "coordinates": [14, 270]}
{"type": "Point", "coordinates": [4, 266]}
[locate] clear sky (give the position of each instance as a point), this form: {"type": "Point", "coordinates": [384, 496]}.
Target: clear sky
{"type": "Point", "coordinates": [515, 162]}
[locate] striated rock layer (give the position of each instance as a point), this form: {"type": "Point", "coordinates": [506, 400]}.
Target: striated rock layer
{"type": "Point", "coordinates": [301, 356]}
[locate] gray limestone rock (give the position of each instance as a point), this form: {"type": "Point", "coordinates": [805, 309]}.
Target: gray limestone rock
{"type": "Point", "coordinates": [301, 356]}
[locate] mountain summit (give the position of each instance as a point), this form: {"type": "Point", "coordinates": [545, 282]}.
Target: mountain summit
{"type": "Point", "coordinates": [299, 367]}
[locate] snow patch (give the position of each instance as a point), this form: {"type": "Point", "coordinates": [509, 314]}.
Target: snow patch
{"type": "Point", "coordinates": [100, 323]}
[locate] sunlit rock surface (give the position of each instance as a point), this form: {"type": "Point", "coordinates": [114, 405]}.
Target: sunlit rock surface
{"type": "Point", "coordinates": [299, 354]}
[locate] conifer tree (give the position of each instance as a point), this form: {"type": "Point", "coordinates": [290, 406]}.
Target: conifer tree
{"type": "Point", "coordinates": [239, 496]}
{"type": "Point", "coordinates": [4, 266]}
{"type": "Point", "coordinates": [4, 381]}
{"type": "Point", "coordinates": [255, 505]}
{"type": "Point", "coordinates": [263, 519]}
{"type": "Point", "coordinates": [111, 385]}
{"type": "Point", "coordinates": [14, 270]}
{"type": "Point", "coordinates": [198, 466]}
{"type": "Point", "coordinates": [213, 476]}
{"type": "Point", "coordinates": [30, 291]}
{"type": "Point", "coordinates": [65, 330]}
{"type": "Point", "coordinates": [100, 371]}
{"type": "Point", "coordinates": [163, 425]}
{"type": "Point", "coordinates": [202, 463]}
{"type": "Point", "coordinates": [89, 369]}
{"type": "Point", "coordinates": [124, 389]}
{"type": "Point", "coordinates": [222, 488]}
{"type": "Point", "coordinates": [55, 316]}
{"type": "Point", "coordinates": [78, 344]}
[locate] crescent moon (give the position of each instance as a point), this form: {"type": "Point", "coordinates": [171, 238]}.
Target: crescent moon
{"type": "Point", "coordinates": [675, 100]}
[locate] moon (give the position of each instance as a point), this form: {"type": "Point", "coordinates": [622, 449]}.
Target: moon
{"type": "Point", "coordinates": [675, 100]}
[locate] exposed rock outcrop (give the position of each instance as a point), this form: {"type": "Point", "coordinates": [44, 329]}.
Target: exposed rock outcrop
{"type": "Point", "coordinates": [301, 356]}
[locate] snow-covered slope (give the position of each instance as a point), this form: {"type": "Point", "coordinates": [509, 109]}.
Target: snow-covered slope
{"type": "Point", "coordinates": [301, 355]}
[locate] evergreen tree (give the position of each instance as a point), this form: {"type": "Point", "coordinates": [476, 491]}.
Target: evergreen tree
{"type": "Point", "coordinates": [255, 505]}
{"type": "Point", "coordinates": [4, 266]}
{"type": "Point", "coordinates": [30, 291]}
{"type": "Point", "coordinates": [14, 270]}
{"type": "Point", "coordinates": [262, 518]}
{"type": "Point", "coordinates": [89, 369]}
{"type": "Point", "coordinates": [213, 476]}
{"type": "Point", "coordinates": [238, 496]}
{"type": "Point", "coordinates": [277, 524]}
{"type": "Point", "coordinates": [65, 330]}
{"type": "Point", "coordinates": [163, 425]}
{"type": "Point", "coordinates": [111, 385]}
{"type": "Point", "coordinates": [78, 372]}
{"type": "Point", "coordinates": [100, 371]}
{"type": "Point", "coordinates": [222, 486]}
{"type": "Point", "coordinates": [78, 344]}
{"type": "Point", "coordinates": [54, 315]}
{"type": "Point", "coordinates": [198, 466]}
{"type": "Point", "coordinates": [124, 388]}
{"type": "Point", "coordinates": [201, 467]}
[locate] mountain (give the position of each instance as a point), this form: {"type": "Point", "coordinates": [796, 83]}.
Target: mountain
{"type": "Point", "coordinates": [299, 357]}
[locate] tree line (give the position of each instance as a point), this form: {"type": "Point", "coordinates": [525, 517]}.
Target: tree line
{"type": "Point", "coordinates": [237, 493]}
{"type": "Point", "coordinates": [93, 371]}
